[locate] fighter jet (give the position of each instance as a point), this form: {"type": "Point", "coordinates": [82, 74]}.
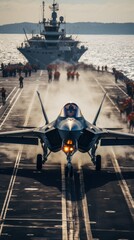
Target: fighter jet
{"type": "Point", "coordinates": [70, 132]}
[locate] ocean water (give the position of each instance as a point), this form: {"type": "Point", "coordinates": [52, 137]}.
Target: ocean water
{"type": "Point", "coordinates": [111, 50]}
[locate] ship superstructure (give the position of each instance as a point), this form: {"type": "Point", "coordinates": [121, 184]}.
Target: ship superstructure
{"type": "Point", "coordinates": [52, 45]}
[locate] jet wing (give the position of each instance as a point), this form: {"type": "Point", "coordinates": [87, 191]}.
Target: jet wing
{"type": "Point", "coordinates": [111, 138]}
{"type": "Point", "coordinates": [29, 137]}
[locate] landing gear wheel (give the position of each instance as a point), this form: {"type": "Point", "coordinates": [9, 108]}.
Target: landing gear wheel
{"type": "Point", "coordinates": [98, 162]}
{"type": "Point", "coordinates": [39, 162]}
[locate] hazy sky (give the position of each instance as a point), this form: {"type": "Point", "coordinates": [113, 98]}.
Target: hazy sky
{"type": "Point", "coordinates": [12, 11]}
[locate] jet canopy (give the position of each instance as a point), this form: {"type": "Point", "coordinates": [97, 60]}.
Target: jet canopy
{"type": "Point", "coordinates": [70, 110]}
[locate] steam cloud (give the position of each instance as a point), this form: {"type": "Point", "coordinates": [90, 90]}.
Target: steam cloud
{"type": "Point", "coordinates": [87, 95]}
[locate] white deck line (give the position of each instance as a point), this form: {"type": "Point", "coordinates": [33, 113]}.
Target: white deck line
{"type": "Point", "coordinates": [30, 107]}
{"type": "Point", "coordinates": [9, 191]}
{"type": "Point", "coordinates": [64, 210]}
{"type": "Point", "coordinates": [76, 224]}
{"type": "Point", "coordinates": [10, 109]}
{"type": "Point", "coordinates": [14, 96]}
{"type": "Point", "coordinates": [119, 87]}
{"type": "Point", "coordinates": [11, 92]}
{"type": "Point", "coordinates": [70, 216]}
{"type": "Point", "coordinates": [107, 95]}
{"type": "Point", "coordinates": [85, 207]}
{"type": "Point", "coordinates": [123, 185]}
{"type": "Point", "coordinates": [18, 158]}
{"type": "Point", "coordinates": [122, 182]}
{"type": "Point", "coordinates": [8, 96]}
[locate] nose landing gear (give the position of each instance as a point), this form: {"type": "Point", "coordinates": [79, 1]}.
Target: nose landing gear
{"type": "Point", "coordinates": [69, 171]}
{"type": "Point", "coordinates": [69, 168]}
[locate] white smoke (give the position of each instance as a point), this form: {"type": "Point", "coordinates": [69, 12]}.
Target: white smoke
{"type": "Point", "coordinates": [86, 94]}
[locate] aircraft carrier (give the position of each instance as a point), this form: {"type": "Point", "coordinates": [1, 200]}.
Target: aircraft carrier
{"type": "Point", "coordinates": [52, 45]}
{"type": "Point", "coordinates": [45, 205]}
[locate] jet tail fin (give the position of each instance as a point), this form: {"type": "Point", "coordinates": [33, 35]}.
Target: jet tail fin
{"type": "Point", "coordinates": [98, 112]}
{"type": "Point", "coordinates": [43, 109]}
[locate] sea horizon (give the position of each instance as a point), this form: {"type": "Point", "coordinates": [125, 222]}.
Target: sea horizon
{"type": "Point", "coordinates": [111, 50]}
{"type": "Point", "coordinates": [111, 28]}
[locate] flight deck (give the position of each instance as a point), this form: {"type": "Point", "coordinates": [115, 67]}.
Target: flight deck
{"type": "Point", "coordinates": [45, 205]}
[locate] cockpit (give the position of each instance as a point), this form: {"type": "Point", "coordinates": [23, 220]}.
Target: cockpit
{"type": "Point", "coordinates": [71, 110]}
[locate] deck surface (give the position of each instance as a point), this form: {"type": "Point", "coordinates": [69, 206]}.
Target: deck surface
{"type": "Point", "coordinates": [45, 205]}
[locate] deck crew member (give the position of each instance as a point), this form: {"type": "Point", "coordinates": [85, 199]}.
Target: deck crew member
{"type": "Point", "coordinates": [3, 95]}
{"type": "Point", "coordinates": [21, 81]}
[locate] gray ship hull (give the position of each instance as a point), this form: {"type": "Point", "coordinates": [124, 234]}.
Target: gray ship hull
{"type": "Point", "coordinates": [43, 58]}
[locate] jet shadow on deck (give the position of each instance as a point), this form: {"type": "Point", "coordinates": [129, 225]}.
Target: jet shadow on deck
{"type": "Point", "coordinates": [51, 177]}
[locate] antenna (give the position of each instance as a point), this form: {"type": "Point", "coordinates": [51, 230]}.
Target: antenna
{"type": "Point", "coordinates": [43, 4]}
{"type": "Point", "coordinates": [54, 7]}
{"type": "Point", "coordinates": [25, 34]}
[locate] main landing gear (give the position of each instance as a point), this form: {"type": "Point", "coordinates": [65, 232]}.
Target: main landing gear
{"type": "Point", "coordinates": [98, 162]}
{"type": "Point", "coordinates": [96, 159]}
{"type": "Point", "coordinates": [41, 160]}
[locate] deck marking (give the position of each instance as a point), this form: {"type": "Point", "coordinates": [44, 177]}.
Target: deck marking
{"type": "Point", "coordinates": [64, 214]}
{"type": "Point", "coordinates": [107, 95]}
{"type": "Point", "coordinates": [11, 93]}
{"type": "Point", "coordinates": [9, 96]}
{"type": "Point", "coordinates": [119, 87]}
{"type": "Point", "coordinates": [16, 166]}
{"type": "Point", "coordinates": [70, 221]}
{"type": "Point", "coordinates": [76, 222]}
{"type": "Point", "coordinates": [10, 189]}
{"type": "Point", "coordinates": [14, 96]}
{"type": "Point", "coordinates": [123, 185]}
{"type": "Point", "coordinates": [122, 182]}
{"type": "Point", "coordinates": [11, 109]}
{"type": "Point", "coordinates": [85, 207]}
